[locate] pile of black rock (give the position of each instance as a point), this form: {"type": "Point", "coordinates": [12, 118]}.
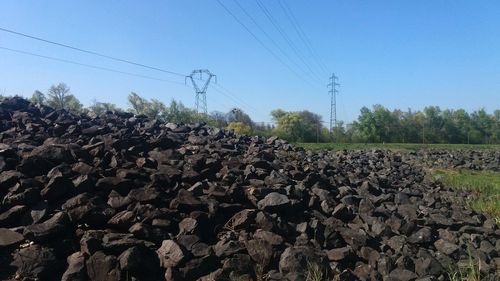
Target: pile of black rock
{"type": "Point", "coordinates": [122, 197]}
{"type": "Point", "coordinates": [484, 159]}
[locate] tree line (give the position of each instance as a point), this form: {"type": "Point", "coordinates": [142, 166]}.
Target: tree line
{"type": "Point", "coordinates": [431, 125]}
{"type": "Point", "coordinates": [375, 125]}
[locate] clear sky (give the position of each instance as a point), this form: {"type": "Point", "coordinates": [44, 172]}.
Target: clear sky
{"type": "Point", "coordinates": [401, 54]}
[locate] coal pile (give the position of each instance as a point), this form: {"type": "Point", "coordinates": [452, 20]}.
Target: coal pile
{"type": "Point", "coordinates": [487, 159]}
{"type": "Point", "coordinates": [122, 197]}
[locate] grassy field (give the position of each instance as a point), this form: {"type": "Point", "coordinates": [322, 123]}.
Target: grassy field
{"type": "Point", "coordinates": [393, 146]}
{"type": "Point", "coordinates": [485, 186]}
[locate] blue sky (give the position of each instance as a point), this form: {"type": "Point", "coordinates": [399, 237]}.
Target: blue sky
{"type": "Point", "coordinates": [401, 54]}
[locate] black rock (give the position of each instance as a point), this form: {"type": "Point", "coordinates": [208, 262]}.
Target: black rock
{"type": "Point", "coordinates": [170, 254]}
{"type": "Point", "coordinates": [76, 268]}
{"type": "Point", "coordinates": [57, 188]}
{"type": "Point", "coordinates": [102, 267]}
{"type": "Point", "coordinates": [9, 237]}
{"type": "Point", "coordinates": [274, 202]}
{"type": "Point", "coordinates": [38, 262]}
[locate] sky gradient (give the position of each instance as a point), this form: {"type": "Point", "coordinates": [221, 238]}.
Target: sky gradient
{"type": "Point", "coordinates": [401, 54]}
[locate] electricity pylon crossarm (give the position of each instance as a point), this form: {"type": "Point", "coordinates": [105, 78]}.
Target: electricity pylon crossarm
{"type": "Point", "coordinates": [201, 93]}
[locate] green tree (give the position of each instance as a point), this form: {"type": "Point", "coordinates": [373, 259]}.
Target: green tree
{"type": "Point", "coordinates": [240, 128]}
{"type": "Point", "coordinates": [176, 112]}
{"type": "Point", "coordinates": [238, 115]}
{"type": "Point", "coordinates": [59, 98]}
{"type": "Point", "coordinates": [277, 114]}
{"type": "Point", "coordinates": [155, 109]}
{"type": "Point", "coordinates": [496, 126]}
{"type": "Point", "coordinates": [300, 126]}
{"type": "Point", "coordinates": [461, 119]}
{"type": "Point", "coordinates": [38, 98]}
{"type": "Point", "coordinates": [218, 119]}
{"type": "Point", "coordinates": [433, 124]}
{"type": "Point", "coordinates": [102, 107]}
{"type": "Point", "coordinates": [484, 124]}
{"type": "Point", "coordinates": [365, 128]}
{"type": "Point", "coordinates": [138, 103]}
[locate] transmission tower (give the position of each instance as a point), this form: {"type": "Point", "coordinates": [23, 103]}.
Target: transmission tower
{"type": "Point", "coordinates": [201, 93]}
{"type": "Point", "coordinates": [333, 91]}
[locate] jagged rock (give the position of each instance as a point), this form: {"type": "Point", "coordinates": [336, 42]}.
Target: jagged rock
{"type": "Point", "coordinates": [12, 215]}
{"type": "Point", "coordinates": [9, 178]}
{"type": "Point", "coordinates": [445, 247]}
{"type": "Point", "coordinates": [428, 267]}
{"type": "Point", "coordinates": [141, 263]}
{"type": "Point", "coordinates": [422, 236]}
{"type": "Point", "coordinates": [273, 238]}
{"type": "Point", "coordinates": [238, 264]}
{"type": "Point", "coordinates": [102, 267]}
{"type": "Point", "coordinates": [37, 262]}
{"type": "Point", "coordinates": [76, 268]}
{"type": "Point", "coordinates": [355, 238]}
{"type": "Point", "coordinates": [402, 275]}
{"type": "Point", "coordinates": [116, 243]}
{"type": "Point", "coordinates": [228, 248]}
{"type": "Point", "coordinates": [188, 226]}
{"type": "Point", "coordinates": [340, 254]}
{"type": "Point", "coordinates": [185, 201]}
{"type": "Point", "coordinates": [57, 188]}
{"type": "Point", "coordinates": [9, 237]}
{"type": "Point", "coordinates": [143, 194]}
{"type": "Point", "coordinates": [274, 202]}
{"type": "Point", "coordinates": [295, 259]}
{"type": "Point", "coordinates": [48, 229]}
{"type": "Point", "coordinates": [170, 254]}
{"type": "Point", "coordinates": [198, 267]}
{"type": "Point", "coordinates": [260, 251]}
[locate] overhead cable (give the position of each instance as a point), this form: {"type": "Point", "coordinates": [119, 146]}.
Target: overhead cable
{"type": "Point", "coordinates": [262, 43]}
{"type": "Point", "coordinates": [89, 65]}
{"type": "Point", "coordinates": [90, 52]}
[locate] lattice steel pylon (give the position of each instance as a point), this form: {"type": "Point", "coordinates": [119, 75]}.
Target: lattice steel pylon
{"type": "Point", "coordinates": [333, 103]}
{"type": "Point", "coordinates": [201, 93]}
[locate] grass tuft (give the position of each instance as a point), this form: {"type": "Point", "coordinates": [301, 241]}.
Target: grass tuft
{"type": "Point", "coordinates": [470, 272]}
{"type": "Point", "coordinates": [484, 185]}
{"type": "Point", "coordinates": [314, 273]}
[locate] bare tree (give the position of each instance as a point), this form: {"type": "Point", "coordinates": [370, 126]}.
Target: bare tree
{"type": "Point", "coordinates": [59, 98]}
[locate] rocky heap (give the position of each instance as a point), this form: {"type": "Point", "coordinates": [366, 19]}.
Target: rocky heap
{"type": "Point", "coordinates": [121, 197]}
{"type": "Point", "coordinates": [487, 159]}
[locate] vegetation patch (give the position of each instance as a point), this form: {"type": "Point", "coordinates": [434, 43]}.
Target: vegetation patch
{"type": "Point", "coordinates": [484, 185]}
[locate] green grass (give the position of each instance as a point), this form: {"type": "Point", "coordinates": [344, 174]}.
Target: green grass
{"type": "Point", "coordinates": [393, 146]}
{"type": "Point", "coordinates": [316, 273]}
{"type": "Point", "coordinates": [470, 271]}
{"type": "Point", "coordinates": [485, 187]}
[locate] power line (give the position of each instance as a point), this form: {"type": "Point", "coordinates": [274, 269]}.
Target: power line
{"type": "Point", "coordinates": [90, 52]}
{"type": "Point", "coordinates": [89, 65]}
{"type": "Point", "coordinates": [288, 12]}
{"type": "Point", "coordinates": [109, 70]}
{"type": "Point", "coordinates": [105, 68]}
{"type": "Point", "coordinates": [260, 42]}
{"type": "Point", "coordinates": [285, 36]}
{"type": "Point", "coordinates": [220, 103]}
{"type": "Point", "coordinates": [270, 38]}
{"type": "Point", "coordinates": [232, 96]}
